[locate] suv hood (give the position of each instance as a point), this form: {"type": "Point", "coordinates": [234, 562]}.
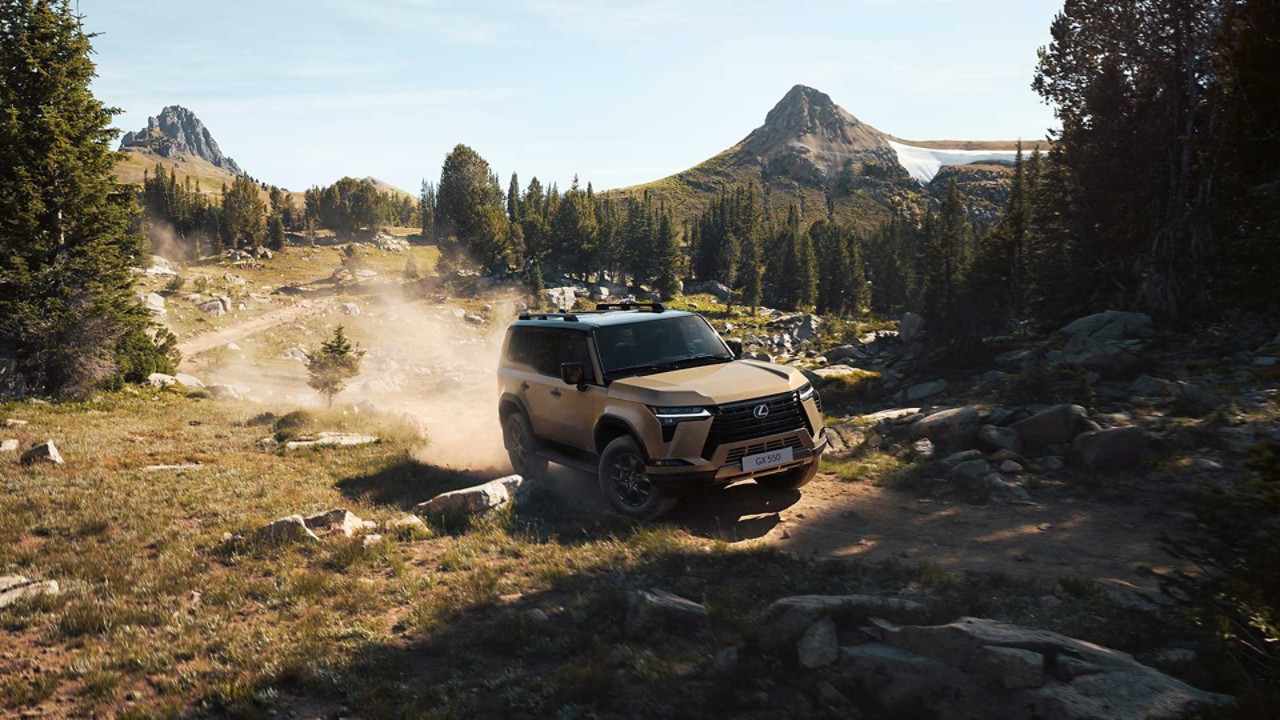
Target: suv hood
{"type": "Point", "coordinates": [709, 384]}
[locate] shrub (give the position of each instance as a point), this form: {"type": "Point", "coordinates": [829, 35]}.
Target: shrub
{"type": "Point", "coordinates": [1234, 595]}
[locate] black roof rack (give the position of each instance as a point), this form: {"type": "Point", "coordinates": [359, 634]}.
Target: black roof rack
{"type": "Point", "coordinates": [651, 307]}
{"type": "Point", "coordinates": [565, 316]}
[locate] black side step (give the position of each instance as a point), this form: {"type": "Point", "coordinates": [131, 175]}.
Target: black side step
{"type": "Point", "coordinates": [567, 460]}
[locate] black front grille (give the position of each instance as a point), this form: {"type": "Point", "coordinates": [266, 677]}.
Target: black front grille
{"type": "Point", "coordinates": [737, 422]}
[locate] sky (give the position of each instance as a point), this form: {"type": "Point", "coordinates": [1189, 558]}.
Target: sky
{"type": "Point", "coordinates": [303, 92]}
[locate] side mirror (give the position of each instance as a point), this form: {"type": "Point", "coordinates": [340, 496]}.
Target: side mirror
{"type": "Point", "coordinates": [572, 373]}
{"type": "Point", "coordinates": [735, 346]}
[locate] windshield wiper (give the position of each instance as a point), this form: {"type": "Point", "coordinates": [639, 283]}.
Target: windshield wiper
{"type": "Point", "coordinates": [703, 358]}
{"type": "Point", "coordinates": [637, 369]}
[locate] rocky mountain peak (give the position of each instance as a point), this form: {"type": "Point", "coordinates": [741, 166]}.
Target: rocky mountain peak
{"type": "Point", "coordinates": [808, 137]}
{"type": "Point", "coordinates": [175, 131]}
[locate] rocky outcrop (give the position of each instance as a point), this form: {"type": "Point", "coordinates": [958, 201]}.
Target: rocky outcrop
{"type": "Point", "coordinates": [178, 131]}
{"type": "Point", "coordinates": [977, 668]}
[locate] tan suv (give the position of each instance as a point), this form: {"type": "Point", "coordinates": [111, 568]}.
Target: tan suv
{"type": "Point", "coordinates": [655, 403]}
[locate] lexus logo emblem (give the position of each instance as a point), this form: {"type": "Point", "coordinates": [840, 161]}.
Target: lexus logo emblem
{"type": "Point", "coordinates": [761, 412]}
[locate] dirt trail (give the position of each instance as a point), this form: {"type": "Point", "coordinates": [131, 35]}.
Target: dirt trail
{"type": "Point", "coordinates": [1116, 544]}
{"type": "Point", "coordinates": [222, 336]}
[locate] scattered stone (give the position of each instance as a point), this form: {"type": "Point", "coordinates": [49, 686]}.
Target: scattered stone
{"type": "Point", "coordinates": [922, 449]}
{"type": "Point", "coordinates": [287, 529]}
{"type": "Point", "coordinates": [1112, 448]}
{"type": "Point", "coordinates": [13, 423]}
{"type": "Point", "coordinates": [1000, 487]}
{"type": "Point", "coordinates": [332, 439]}
{"type": "Point", "coordinates": [154, 303]}
{"type": "Point", "coordinates": [1206, 464]}
{"type": "Point", "coordinates": [408, 521]}
{"type": "Point", "coordinates": [1010, 467]}
{"type": "Point", "coordinates": [1051, 463]}
{"type": "Point", "coordinates": [726, 661]}
{"type": "Point", "coordinates": [660, 611]}
{"type": "Point", "coordinates": [818, 647]}
{"type": "Point", "coordinates": [1000, 437]}
{"type": "Point", "coordinates": [963, 456]}
{"type": "Point", "coordinates": [473, 500]}
{"type": "Point", "coordinates": [787, 619]}
{"type": "Point", "coordinates": [178, 466]}
{"type": "Point", "coordinates": [1111, 325]}
{"type": "Point", "coordinates": [474, 319]}
{"type": "Point", "coordinates": [16, 587]}
{"type": "Point", "coordinates": [371, 540]}
{"type": "Point", "coordinates": [349, 308]}
{"type": "Point", "coordinates": [1196, 396]}
{"type": "Point", "coordinates": [1265, 362]}
{"type": "Point", "coordinates": [1057, 425]}
{"type": "Point", "coordinates": [224, 392]}
{"type": "Point", "coordinates": [338, 521]}
{"type": "Point", "coordinates": [891, 415]}
{"type": "Point", "coordinates": [45, 452]}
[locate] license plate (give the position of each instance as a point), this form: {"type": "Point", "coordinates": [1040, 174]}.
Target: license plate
{"type": "Point", "coordinates": [765, 460]}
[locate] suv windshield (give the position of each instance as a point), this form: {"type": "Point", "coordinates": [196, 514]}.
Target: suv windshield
{"type": "Point", "coordinates": [654, 345]}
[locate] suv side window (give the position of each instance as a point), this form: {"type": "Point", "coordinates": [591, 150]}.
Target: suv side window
{"type": "Point", "coordinates": [573, 348]}
{"type": "Point", "coordinates": [536, 348]}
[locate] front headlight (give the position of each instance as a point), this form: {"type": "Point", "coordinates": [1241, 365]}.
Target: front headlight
{"type": "Point", "coordinates": [673, 415]}
{"type": "Point", "coordinates": [806, 392]}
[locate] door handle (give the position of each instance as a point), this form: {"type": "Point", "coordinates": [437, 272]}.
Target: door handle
{"type": "Point", "coordinates": [555, 391]}
{"type": "Point", "coordinates": [524, 386]}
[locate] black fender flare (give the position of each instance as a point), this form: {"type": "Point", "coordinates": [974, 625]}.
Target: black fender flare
{"type": "Point", "coordinates": [606, 421]}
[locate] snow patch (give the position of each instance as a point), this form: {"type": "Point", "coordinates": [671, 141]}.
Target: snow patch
{"type": "Point", "coordinates": [923, 163]}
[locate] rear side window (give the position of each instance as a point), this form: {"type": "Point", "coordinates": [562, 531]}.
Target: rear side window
{"type": "Point", "coordinates": [573, 348]}
{"type": "Point", "coordinates": [536, 348]}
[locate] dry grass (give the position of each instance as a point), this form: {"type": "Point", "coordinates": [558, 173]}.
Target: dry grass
{"type": "Point", "coordinates": [160, 617]}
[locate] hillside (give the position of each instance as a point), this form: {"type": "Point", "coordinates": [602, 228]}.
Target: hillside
{"type": "Point", "coordinates": [810, 150]}
{"type": "Point", "coordinates": [134, 162]}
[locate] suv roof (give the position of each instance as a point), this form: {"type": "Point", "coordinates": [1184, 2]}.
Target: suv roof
{"type": "Point", "coordinates": [600, 317]}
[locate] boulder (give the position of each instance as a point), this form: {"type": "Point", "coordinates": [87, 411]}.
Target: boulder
{"type": "Point", "coordinates": [1114, 448]}
{"type": "Point", "coordinates": [1196, 396]}
{"type": "Point", "coordinates": [349, 308]}
{"type": "Point", "coordinates": [9, 445]}
{"type": "Point", "coordinates": [819, 646]}
{"type": "Point", "coordinates": [1147, 385]}
{"type": "Point", "coordinates": [786, 620]}
{"type": "Point", "coordinates": [190, 381]}
{"type": "Point", "coordinates": [924, 390]}
{"type": "Point", "coordinates": [910, 326]}
{"type": "Point", "coordinates": [16, 587]}
{"type": "Point", "coordinates": [224, 392]}
{"type": "Point", "coordinates": [1106, 359]}
{"type": "Point", "coordinates": [1057, 425]}
{"type": "Point", "coordinates": [154, 303]}
{"type": "Point", "coordinates": [160, 380]}
{"type": "Point", "coordinates": [287, 529]}
{"type": "Point", "coordinates": [1110, 326]}
{"type": "Point", "coordinates": [844, 352]}
{"type": "Point", "coordinates": [470, 501]}
{"type": "Point", "coordinates": [955, 459]}
{"type": "Point", "coordinates": [845, 438]}
{"type": "Point", "coordinates": [161, 267]}
{"type": "Point", "coordinates": [560, 298]}
{"type": "Point", "coordinates": [1001, 438]}
{"type": "Point", "coordinates": [660, 611]}
{"type": "Point", "coordinates": [954, 429]}
{"type": "Point", "coordinates": [922, 449]}
{"type": "Point", "coordinates": [808, 328]}
{"type": "Point", "coordinates": [971, 469]}
{"type": "Point", "coordinates": [45, 452]}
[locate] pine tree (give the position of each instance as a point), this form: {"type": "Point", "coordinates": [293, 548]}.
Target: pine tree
{"type": "Point", "coordinates": [669, 261]}
{"type": "Point", "coordinates": [244, 213]}
{"type": "Point", "coordinates": [427, 210]}
{"type": "Point", "coordinates": [66, 306]}
{"type": "Point", "coordinates": [333, 364]}
{"type": "Point", "coordinates": [751, 272]}
{"type": "Point", "coordinates": [275, 232]}
{"type": "Point", "coordinates": [513, 199]}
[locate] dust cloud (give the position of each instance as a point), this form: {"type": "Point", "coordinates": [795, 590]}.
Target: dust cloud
{"type": "Point", "coordinates": [434, 362]}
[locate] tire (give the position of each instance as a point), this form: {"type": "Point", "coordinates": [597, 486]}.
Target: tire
{"type": "Point", "coordinates": [792, 479]}
{"type": "Point", "coordinates": [522, 447]}
{"type": "Point", "coordinates": [625, 485]}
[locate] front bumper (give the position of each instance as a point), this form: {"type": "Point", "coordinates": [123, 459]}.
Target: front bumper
{"type": "Point", "coordinates": [683, 479]}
